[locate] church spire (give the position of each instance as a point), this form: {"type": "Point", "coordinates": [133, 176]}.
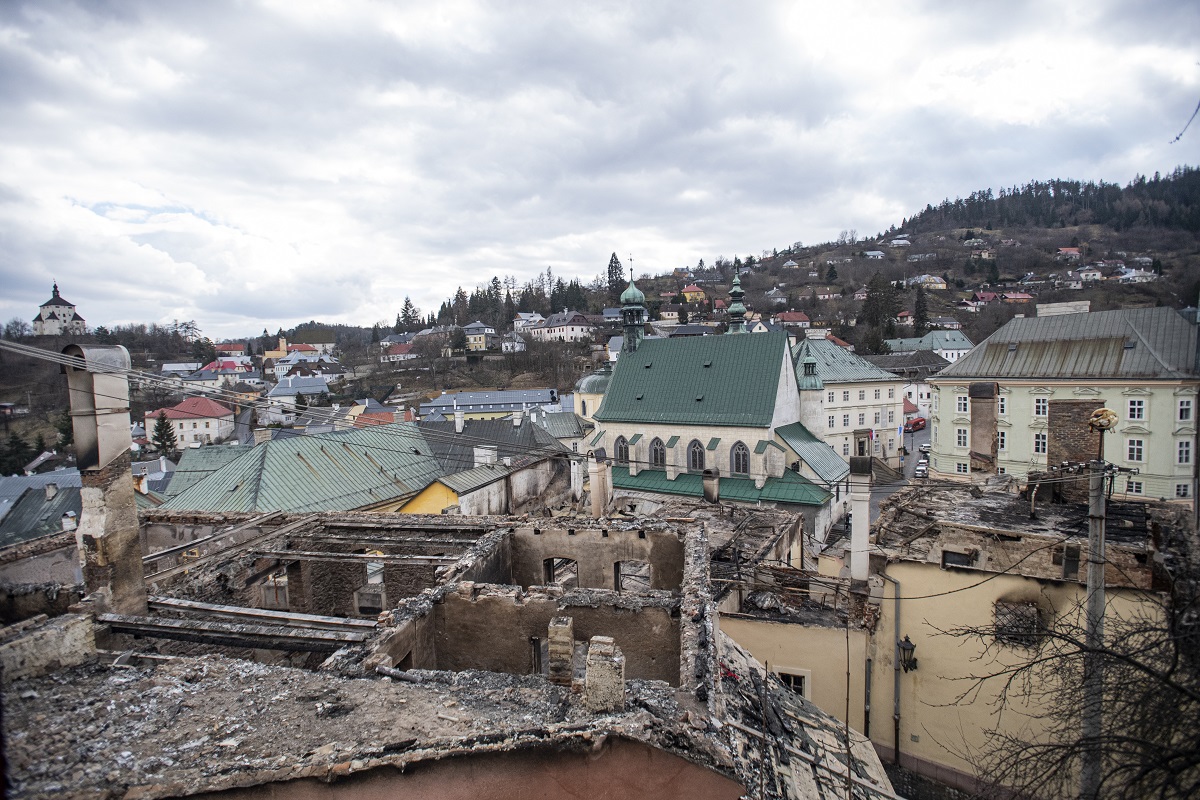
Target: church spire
{"type": "Point", "coordinates": [737, 311]}
{"type": "Point", "coordinates": [633, 315]}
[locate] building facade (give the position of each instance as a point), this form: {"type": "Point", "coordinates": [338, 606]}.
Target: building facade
{"type": "Point", "coordinates": [57, 316]}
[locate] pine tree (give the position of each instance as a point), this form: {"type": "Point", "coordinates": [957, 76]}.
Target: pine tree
{"type": "Point", "coordinates": [163, 438]}
{"type": "Point", "coordinates": [831, 274]}
{"type": "Point", "coordinates": [616, 278]}
{"type": "Point", "coordinates": [410, 316]}
{"type": "Point", "coordinates": [301, 403]}
{"type": "Point", "coordinates": [920, 313]}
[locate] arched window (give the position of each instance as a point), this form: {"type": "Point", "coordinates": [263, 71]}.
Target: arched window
{"type": "Point", "coordinates": [658, 453]}
{"type": "Point", "coordinates": [695, 456]}
{"type": "Point", "coordinates": [622, 450]}
{"type": "Point", "coordinates": [739, 459]}
{"type": "Point", "coordinates": [583, 408]}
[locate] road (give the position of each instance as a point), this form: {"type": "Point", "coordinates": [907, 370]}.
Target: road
{"type": "Point", "coordinates": [879, 493]}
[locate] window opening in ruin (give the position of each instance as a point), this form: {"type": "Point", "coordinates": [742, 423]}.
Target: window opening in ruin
{"type": "Point", "coordinates": [535, 656]}
{"type": "Point", "coordinates": [953, 559]}
{"type": "Point", "coordinates": [374, 569]}
{"type": "Point", "coordinates": [1067, 557]}
{"type": "Point", "coordinates": [1017, 623]}
{"type": "Point", "coordinates": [561, 571]}
{"type": "Point", "coordinates": [631, 576]}
{"type": "Point", "coordinates": [274, 592]}
{"type": "Point", "coordinates": [793, 681]}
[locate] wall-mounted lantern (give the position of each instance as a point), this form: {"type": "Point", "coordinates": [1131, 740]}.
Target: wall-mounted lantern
{"type": "Point", "coordinates": [908, 660]}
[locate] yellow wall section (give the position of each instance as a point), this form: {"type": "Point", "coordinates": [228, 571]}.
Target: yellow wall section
{"type": "Point", "coordinates": [431, 500]}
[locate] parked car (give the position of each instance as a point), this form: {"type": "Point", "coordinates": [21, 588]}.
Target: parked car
{"type": "Point", "coordinates": [925, 448]}
{"type": "Point", "coordinates": [922, 471]}
{"type": "Point", "coordinates": [915, 424]}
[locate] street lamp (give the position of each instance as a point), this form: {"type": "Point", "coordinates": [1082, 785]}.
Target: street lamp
{"type": "Point", "coordinates": [908, 661]}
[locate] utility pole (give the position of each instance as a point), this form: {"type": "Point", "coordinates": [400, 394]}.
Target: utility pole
{"type": "Point", "coordinates": [1101, 421]}
{"type": "Point", "coordinates": [1093, 665]}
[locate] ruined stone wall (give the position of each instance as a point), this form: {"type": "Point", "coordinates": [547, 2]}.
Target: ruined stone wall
{"type": "Point", "coordinates": [492, 562]}
{"type": "Point", "coordinates": [596, 550]}
{"type": "Point", "coordinates": [59, 643]}
{"type": "Point", "coordinates": [1068, 439]}
{"type": "Point", "coordinates": [1040, 556]}
{"type": "Point", "coordinates": [490, 627]}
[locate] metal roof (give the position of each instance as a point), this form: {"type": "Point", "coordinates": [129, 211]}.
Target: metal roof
{"type": "Point", "coordinates": [476, 478]}
{"type": "Point", "coordinates": [13, 487]}
{"type": "Point", "coordinates": [702, 380]}
{"type": "Point", "coordinates": [1130, 343]}
{"type": "Point", "coordinates": [318, 473]}
{"type": "Point", "coordinates": [789, 488]}
{"type": "Point", "coordinates": [836, 364]}
{"type": "Point", "coordinates": [504, 400]}
{"type": "Point", "coordinates": [814, 452]}
{"type": "Point", "coordinates": [198, 463]}
{"type": "Point", "coordinates": [455, 452]}
{"type": "Point", "coordinates": [33, 515]}
{"type": "Point", "coordinates": [934, 340]}
{"type": "Point", "coordinates": [563, 424]}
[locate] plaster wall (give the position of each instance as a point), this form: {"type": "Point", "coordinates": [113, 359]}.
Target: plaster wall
{"type": "Point", "coordinates": [846, 407]}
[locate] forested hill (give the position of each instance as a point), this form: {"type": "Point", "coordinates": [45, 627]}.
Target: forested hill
{"type": "Point", "coordinates": [1171, 201]}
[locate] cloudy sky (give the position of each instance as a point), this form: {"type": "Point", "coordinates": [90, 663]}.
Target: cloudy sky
{"type": "Point", "coordinates": [260, 163]}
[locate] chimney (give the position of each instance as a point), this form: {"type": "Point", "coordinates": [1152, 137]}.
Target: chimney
{"type": "Point", "coordinates": [712, 485]}
{"type": "Point", "coordinates": [517, 417]}
{"type": "Point", "coordinates": [69, 522]}
{"type": "Point", "coordinates": [460, 420]}
{"type": "Point", "coordinates": [485, 454]}
{"type": "Point", "coordinates": [51, 491]}
{"type": "Point", "coordinates": [162, 463]}
{"type": "Point", "coordinates": [860, 525]}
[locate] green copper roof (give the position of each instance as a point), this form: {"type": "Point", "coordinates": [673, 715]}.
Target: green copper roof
{"type": "Point", "coordinates": [818, 455]}
{"type": "Point", "coordinates": [335, 472]}
{"type": "Point", "coordinates": [789, 488]}
{"type": "Point", "coordinates": [198, 463]}
{"type": "Point", "coordinates": [597, 382]}
{"type": "Point", "coordinates": [702, 380]}
{"type": "Point", "coordinates": [632, 296]}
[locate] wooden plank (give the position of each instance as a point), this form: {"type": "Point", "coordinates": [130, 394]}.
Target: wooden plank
{"type": "Point", "coordinates": [183, 548]}
{"type": "Point", "coordinates": [228, 551]}
{"type": "Point", "coordinates": [310, 555]}
{"type": "Point", "coordinates": [260, 637]}
{"type": "Point", "coordinates": [260, 614]}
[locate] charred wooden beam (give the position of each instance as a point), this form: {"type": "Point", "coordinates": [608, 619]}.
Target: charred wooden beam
{"type": "Point", "coordinates": [260, 615]}
{"type": "Point", "coordinates": [230, 634]}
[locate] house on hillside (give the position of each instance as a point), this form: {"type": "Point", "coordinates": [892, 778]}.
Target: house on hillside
{"type": "Point", "coordinates": [56, 316]}
{"type": "Point", "coordinates": [563, 326]}
{"type": "Point", "coordinates": [481, 337]}
{"type": "Point", "coordinates": [197, 420]}
{"type": "Point", "coordinates": [950, 344]}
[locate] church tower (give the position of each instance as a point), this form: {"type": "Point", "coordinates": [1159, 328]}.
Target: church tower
{"type": "Point", "coordinates": [737, 311]}
{"type": "Point", "coordinates": [633, 316]}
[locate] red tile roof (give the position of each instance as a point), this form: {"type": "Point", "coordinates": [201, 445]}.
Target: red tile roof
{"type": "Point", "coordinates": [792, 316]}
{"type": "Point", "coordinates": [301, 348]}
{"type": "Point", "coordinates": [195, 408]}
{"type": "Point", "coordinates": [909, 408]}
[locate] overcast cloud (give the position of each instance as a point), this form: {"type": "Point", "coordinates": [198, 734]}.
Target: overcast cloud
{"type": "Point", "coordinates": [259, 164]}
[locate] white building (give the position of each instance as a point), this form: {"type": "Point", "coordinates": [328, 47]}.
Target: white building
{"type": "Point", "coordinates": [993, 410]}
{"type": "Point", "coordinates": [197, 420]}
{"type": "Point", "coordinates": [564, 326]}
{"type": "Point", "coordinates": [57, 316]}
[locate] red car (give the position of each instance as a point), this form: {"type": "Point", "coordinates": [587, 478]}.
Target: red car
{"type": "Point", "coordinates": [914, 424]}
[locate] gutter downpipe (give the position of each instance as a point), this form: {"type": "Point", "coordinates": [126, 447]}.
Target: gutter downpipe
{"type": "Point", "coordinates": [896, 665]}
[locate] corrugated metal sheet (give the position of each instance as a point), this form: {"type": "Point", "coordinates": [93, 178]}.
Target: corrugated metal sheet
{"type": "Point", "coordinates": [470, 480]}
{"type": "Point", "coordinates": [818, 455]}
{"type": "Point", "coordinates": [198, 463]}
{"type": "Point", "coordinates": [317, 473]}
{"type": "Point", "coordinates": [32, 515]}
{"type": "Point", "coordinates": [934, 340]}
{"type": "Point", "coordinates": [836, 364]}
{"type": "Point", "coordinates": [1132, 343]}
{"type": "Point", "coordinates": [703, 380]}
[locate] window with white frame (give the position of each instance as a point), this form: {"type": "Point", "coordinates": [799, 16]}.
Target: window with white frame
{"type": "Point", "coordinates": [829, 397]}
{"type": "Point", "coordinates": [960, 437]}
{"type": "Point", "coordinates": [935, 398]}
{"type": "Point", "coordinates": [960, 404]}
{"type": "Point", "coordinates": [845, 448]}
{"type": "Point", "coordinates": [1135, 449]}
{"type": "Point", "coordinates": [892, 416]}
{"type": "Point", "coordinates": [1183, 490]}
{"type": "Point", "coordinates": [1002, 405]}
{"type": "Point", "coordinates": [961, 467]}
{"type": "Point", "coordinates": [845, 397]}
{"type": "Point", "coordinates": [876, 394]}
{"type": "Point", "coordinates": [845, 420]}
{"type": "Point", "coordinates": [832, 421]}
{"type": "Point", "coordinates": [862, 394]}
{"type": "Point", "coordinates": [1041, 406]}
{"type": "Point", "coordinates": [892, 443]}
{"type": "Point", "coordinates": [876, 417]}
{"type": "Point", "coordinates": [1183, 453]}
{"type": "Point", "coordinates": [1002, 440]}
{"type": "Point", "coordinates": [862, 419]}
{"type": "Point", "coordinates": [1184, 413]}
{"type": "Point", "coordinates": [1133, 487]}
{"type": "Point", "coordinates": [1137, 409]}
{"type": "Point", "coordinates": [1039, 443]}
{"type": "Point", "coordinates": [892, 393]}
